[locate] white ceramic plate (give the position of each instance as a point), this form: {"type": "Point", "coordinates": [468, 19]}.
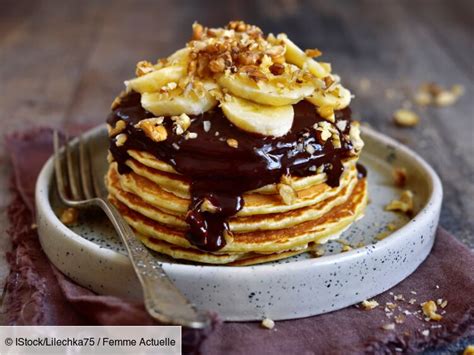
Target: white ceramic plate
{"type": "Point", "coordinates": [301, 286]}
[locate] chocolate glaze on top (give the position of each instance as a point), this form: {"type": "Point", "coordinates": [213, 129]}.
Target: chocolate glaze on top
{"type": "Point", "coordinates": [220, 173]}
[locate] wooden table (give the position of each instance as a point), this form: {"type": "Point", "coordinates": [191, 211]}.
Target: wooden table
{"type": "Point", "coordinates": [62, 63]}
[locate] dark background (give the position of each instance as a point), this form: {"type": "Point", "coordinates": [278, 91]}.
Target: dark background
{"type": "Point", "coordinates": [63, 62]}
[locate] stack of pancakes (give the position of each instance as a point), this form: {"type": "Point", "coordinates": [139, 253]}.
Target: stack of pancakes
{"type": "Point", "coordinates": [154, 200]}
{"type": "Point", "coordinates": [237, 149]}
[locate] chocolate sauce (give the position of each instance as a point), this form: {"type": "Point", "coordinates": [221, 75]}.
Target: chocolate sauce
{"type": "Point", "coordinates": [361, 171]}
{"type": "Point", "coordinates": [220, 173]}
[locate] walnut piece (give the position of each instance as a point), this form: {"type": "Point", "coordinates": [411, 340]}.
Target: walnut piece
{"type": "Point", "coordinates": [287, 194]}
{"type": "Point", "coordinates": [181, 123]}
{"type": "Point", "coordinates": [69, 216]}
{"type": "Point", "coordinates": [405, 204]}
{"type": "Point", "coordinates": [207, 206]}
{"type": "Point", "coordinates": [231, 142]}
{"type": "Point", "coordinates": [144, 67]}
{"type": "Point", "coordinates": [429, 309]}
{"type": "Point", "coordinates": [268, 323]}
{"type": "Point", "coordinates": [369, 304]}
{"type": "Point", "coordinates": [399, 176]}
{"type": "Point", "coordinates": [153, 128]}
{"type": "Point", "coordinates": [119, 127]}
{"type": "Point", "coordinates": [120, 139]}
{"type": "Point", "coordinates": [406, 118]}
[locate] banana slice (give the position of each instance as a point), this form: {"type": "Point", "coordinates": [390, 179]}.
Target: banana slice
{"type": "Point", "coordinates": [155, 80]}
{"type": "Point", "coordinates": [338, 99]}
{"type": "Point", "coordinates": [175, 103]}
{"type": "Point", "coordinates": [256, 118]}
{"type": "Point", "coordinates": [180, 57]}
{"type": "Point", "coordinates": [266, 92]}
{"type": "Point", "coordinates": [296, 56]}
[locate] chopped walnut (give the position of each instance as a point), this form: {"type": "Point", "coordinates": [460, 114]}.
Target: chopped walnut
{"type": "Point", "coordinates": [144, 67]}
{"type": "Point", "coordinates": [181, 123]}
{"type": "Point", "coordinates": [314, 53]}
{"type": "Point", "coordinates": [119, 127]}
{"type": "Point", "coordinates": [69, 216]}
{"type": "Point", "coordinates": [287, 194]}
{"type": "Point", "coordinates": [217, 65]}
{"type": "Point", "coordinates": [153, 128]}
{"type": "Point", "coordinates": [442, 303]}
{"type": "Point", "coordinates": [429, 309]}
{"type": "Point", "coordinates": [317, 252]}
{"type": "Point", "coordinates": [406, 118]}
{"type": "Point", "coordinates": [198, 31]}
{"type": "Point", "coordinates": [405, 204]}
{"type": "Point", "coordinates": [423, 98]}
{"type": "Point", "coordinates": [206, 125]}
{"type": "Point", "coordinates": [389, 326]}
{"type": "Point", "coordinates": [277, 68]}
{"type": "Point", "coordinates": [231, 142]}
{"type": "Point", "coordinates": [431, 93]}
{"type": "Point", "coordinates": [268, 323]}
{"type": "Point", "coordinates": [369, 304]}
{"type": "Point", "coordinates": [400, 318]}
{"type": "Point", "coordinates": [399, 176]}
{"type": "Point", "coordinates": [207, 206]}
{"type": "Point", "coordinates": [120, 139]}
{"type": "Point", "coordinates": [445, 98]}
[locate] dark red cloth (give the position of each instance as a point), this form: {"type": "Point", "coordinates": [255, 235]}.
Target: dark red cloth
{"type": "Point", "coordinates": [38, 294]}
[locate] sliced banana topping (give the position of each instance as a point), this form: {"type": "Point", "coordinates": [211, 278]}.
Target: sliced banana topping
{"type": "Point", "coordinates": [155, 80]}
{"type": "Point", "coordinates": [256, 79]}
{"type": "Point", "coordinates": [265, 92]}
{"type": "Point", "coordinates": [176, 102]}
{"type": "Point", "coordinates": [256, 118]}
{"type": "Point", "coordinates": [296, 56]}
{"type": "Point", "coordinates": [338, 98]}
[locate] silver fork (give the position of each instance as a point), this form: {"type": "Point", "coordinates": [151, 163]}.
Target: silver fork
{"type": "Point", "coordinates": [163, 300]}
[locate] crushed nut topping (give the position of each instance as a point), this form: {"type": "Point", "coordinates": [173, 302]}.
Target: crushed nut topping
{"type": "Point", "coordinates": [153, 128]}
{"type": "Point", "coordinates": [406, 118]}
{"type": "Point", "coordinates": [120, 139]}
{"type": "Point", "coordinates": [287, 193]}
{"type": "Point", "coordinates": [429, 309]}
{"type": "Point", "coordinates": [388, 326]}
{"type": "Point", "coordinates": [206, 125]}
{"type": "Point", "coordinates": [119, 127]}
{"type": "Point", "coordinates": [69, 216]}
{"type": "Point", "coordinates": [268, 323]}
{"type": "Point", "coordinates": [231, 142]}
{"type": "Point", "coordinates": [405, 204]}
{"type": "Point", "coordinates": [432, 93]}
{"type": "Point", "coordinates": [207, 206]}
{"type": "Point", "coordinates": [181, 123]}
{"type": "Point", "coordinates": [144, 67]}
{"type": "Point", "coordinates": [314, 53]}
{"type": "Point", "coordinates": [399, 176]}
{"type": "Point", "coordinates": [369, 304]}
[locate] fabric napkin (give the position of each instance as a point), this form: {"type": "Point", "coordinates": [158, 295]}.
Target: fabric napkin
{"type": "Point", "coordinates": [36, 293]}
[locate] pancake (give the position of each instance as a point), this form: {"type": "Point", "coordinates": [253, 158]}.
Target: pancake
{"type": "Point", "coordinates": [262, 245]}
{"type": "Point", "coordinates": [311, 204]}
{"type": "Point", "coordinates": [235, 157]}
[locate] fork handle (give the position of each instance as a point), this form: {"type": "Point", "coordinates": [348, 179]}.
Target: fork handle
{"type": "Point", "coordinates": [163, 300]}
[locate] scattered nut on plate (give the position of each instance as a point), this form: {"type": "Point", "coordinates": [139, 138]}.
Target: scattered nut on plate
{"type": "Point", "coordinates": [406, 118]}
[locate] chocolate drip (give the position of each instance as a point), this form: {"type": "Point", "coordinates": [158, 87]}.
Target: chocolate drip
{"type": "Point", "coordinates": [220, 173]}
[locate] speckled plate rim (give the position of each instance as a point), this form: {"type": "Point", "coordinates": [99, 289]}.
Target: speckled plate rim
{"type": "Point", "coordinates": [432, 204]}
